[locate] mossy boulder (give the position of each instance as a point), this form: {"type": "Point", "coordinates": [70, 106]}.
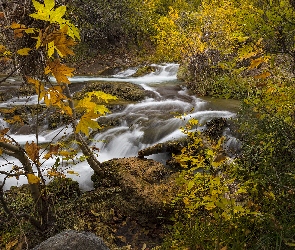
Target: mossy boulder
{"type": "Point", "coordinates": [144, 70]}
{"type": "Point", "coordinates": [149, 182]}
{"type": "Point", "coordinates": [123, 90]}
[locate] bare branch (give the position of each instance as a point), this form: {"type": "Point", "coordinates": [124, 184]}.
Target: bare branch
{"type": "Point", "coordinates": [11, 174]}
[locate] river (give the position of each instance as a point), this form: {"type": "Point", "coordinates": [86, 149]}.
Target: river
{"type": "Point", "coordinates": [142, 124]}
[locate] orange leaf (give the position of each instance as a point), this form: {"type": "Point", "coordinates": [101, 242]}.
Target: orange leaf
{"type": "Point", "coordinates": [53, 150]}
{"type": "Point", "coordinates": [32, 151]}
{"type": "Point", "coordinates": [18, 29]}
{"type": "Point", "coordinates": [15, 25]}
{"type": "Point", "coordinates": [256, 62]}
{"type": "Point", "coordinates": [60, 71]}
{"type": "Point", "coordinates": [53, 173]}
{"type": "Point", "coordinates": [263, 75]}
{"type": "Point", "coordinates": [3, 131]}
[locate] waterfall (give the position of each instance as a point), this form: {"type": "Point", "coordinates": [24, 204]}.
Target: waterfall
{"type": "Point", "coordinates": [141, 125]}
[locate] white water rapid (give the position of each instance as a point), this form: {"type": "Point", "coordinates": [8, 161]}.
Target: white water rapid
{"type": "Point", "coordinates": [141, 124]}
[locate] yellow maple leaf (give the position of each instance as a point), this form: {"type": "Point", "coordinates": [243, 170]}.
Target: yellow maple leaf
{"type": "Point", "coordinates": [62, 45]}
{"type": "Point", "coordinates": [57, 40]}
{"type": "Point", "coordinates": [72, 31]}
{"type": "Point", "coordinates": [60, 71]}
{"type": "Point", "coordinates": [102, 97]}
{"type": "Point", "coordinates": [33, 179]}
{"type": "Point", "coordinates": [87, 122]}
{"type": "Point", "coordinates": [89, 102]}
{"type": "Point", "coordinates": [46, 11]}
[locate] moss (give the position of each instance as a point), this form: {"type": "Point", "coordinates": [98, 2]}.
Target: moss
{"type": "Point", "coordinates": [124, 91]}
{"type": "Point", "coordinates": [144, 70]}
{"type": "Point", "coordinates": [63, 188]}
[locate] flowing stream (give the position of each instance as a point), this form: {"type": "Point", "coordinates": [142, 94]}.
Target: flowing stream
{"type": "Point", "coordinates": [141, 124]}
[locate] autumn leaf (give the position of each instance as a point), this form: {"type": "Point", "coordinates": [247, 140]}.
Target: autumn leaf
{"type": "Point", "coordinates": [10, 245]}
{"type": "Point", "coordinates": [24, 51]}
{"type": "Point", "coordinates": [54, 96]}
{"type": "Point", "coordinates": [62, 43]}
{"type": "Point", "coordinates": [54, 173]}
{"type": "Point", "coordinates": [32, 151]}
{"type": "Point", "coordinates": [60, 71]}
{"type": "Point", "coordinates": [256, 62]}
{"type": "Point", "coordinates": [72, 31]}
{"type": "Point", "coordinates": [89, 102]}
{"type": "Point", "coordinates": [263, 75]}
{"type": "Point", "coordinates": [46, 11]}
{"type": "Point", "coordinates": [18, 29]}
{"type": "Point", "coordinates": [2, 48]}
{"type": "Point", "coordinates": [33, 179]}
{"type": "Point", "coordinates": [53, 150]}
{"type": "Point", "coordinates": [31, 30]}
{"type": "Point", "coordinates": [15, 119]}
{"type": "Point", "coordinates": [1, 15]}
{"type": "Point", "coordinates": [15, 25]}
{"type": "Point", "coordinates": [87, 122]}
{"type": "Point", "coordinates": [39, 87]}
{"type": "Point", "coordinates": [103, 97]}
{"type": "Point", "coordinates": [72, 172]}
{"type": "Point", "coordinates": [57, 40]}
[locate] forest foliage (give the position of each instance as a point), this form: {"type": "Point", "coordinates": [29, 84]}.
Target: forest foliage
{"type": "Point", "coordinates": [243, 50]}
{"type": "Point", "coordinates": [226, 49]}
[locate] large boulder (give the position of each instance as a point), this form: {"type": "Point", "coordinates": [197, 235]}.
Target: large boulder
{"type": "Point", "coordinates": [70, 240]}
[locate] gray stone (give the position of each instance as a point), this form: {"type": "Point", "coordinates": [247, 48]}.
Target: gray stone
{"type": "Point", "coordinates": [73, 240]}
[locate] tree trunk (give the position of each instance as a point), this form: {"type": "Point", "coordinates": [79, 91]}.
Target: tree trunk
{"type": "Point", "coordinates": [40, 202]}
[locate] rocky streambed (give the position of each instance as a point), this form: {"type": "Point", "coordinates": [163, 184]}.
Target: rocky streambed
{"type": "Point", "coordinates": [130, 207]}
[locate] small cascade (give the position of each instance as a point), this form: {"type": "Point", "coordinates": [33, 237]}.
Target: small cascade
{"type": "Point", "coordinates": [141, 125]}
